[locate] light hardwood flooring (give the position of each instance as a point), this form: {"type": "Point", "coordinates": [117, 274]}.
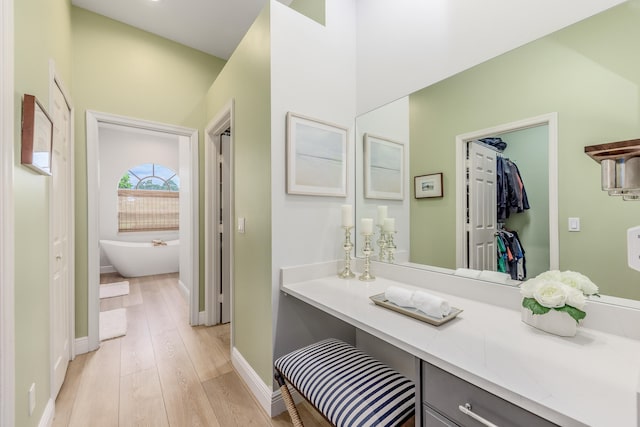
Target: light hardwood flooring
{"type": "Point", "coordinates": [163, 372]}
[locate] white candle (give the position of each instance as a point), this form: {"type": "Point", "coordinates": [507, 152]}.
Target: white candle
{"type": "Point", "coordinates": [367, 225]}
{"type": "Point", "coordinates": [382, 214]}
{"type": "Point", "coordinates": [389, 225]}
{"type": "Point", "coordinates": [347, 216]}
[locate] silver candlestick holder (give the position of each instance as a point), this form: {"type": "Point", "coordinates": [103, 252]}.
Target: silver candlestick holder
{"type": "Point", "coordinates": [382, 244]}
{"type": "Point", "coordinates": [366, 275]}
{"type": "Point", "coordinates": [391, 247]}
{"type": "Point", "coordinates": [346, 273]}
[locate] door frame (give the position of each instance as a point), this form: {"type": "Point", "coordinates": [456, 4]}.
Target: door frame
{"type": "Point", "coordinates": [222, 121]}
{"type": "Point", "coordinates": [7, 235]}
{"type": "Point", "coordinates": [56, 80]}
{"type": "Point", "coordinates": [551, 121]}
{"type": "Point", "coordinates": [190, 196]}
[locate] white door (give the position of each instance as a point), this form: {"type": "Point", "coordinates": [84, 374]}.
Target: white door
{"type": "Point", "coordinates": [60, 208]}
{"type": "Point", "coordinates": [482, 205]}
{"type": "Point", "coordinates": [225, 228]}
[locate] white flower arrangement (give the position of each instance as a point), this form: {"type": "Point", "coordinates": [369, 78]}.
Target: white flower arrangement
{"type": "Point", "coordinates": [561, 291]}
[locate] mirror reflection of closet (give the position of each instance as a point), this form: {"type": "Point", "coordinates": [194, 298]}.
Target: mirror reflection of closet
{"type": "Point", "coordinates": [528, 149]}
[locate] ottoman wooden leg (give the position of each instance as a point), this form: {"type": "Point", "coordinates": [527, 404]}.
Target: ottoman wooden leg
{"type": "Point", "coordinates": [288, 401]}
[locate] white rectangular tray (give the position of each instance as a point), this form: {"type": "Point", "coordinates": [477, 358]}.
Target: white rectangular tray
{"type": "Point", "coordinates": [380, 300]}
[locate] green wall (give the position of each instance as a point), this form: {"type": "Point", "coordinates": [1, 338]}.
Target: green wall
{"type": "Point", "coordinates": [121, 70]}
{"type": "Point", "coordinates": [35, 23]}
{"type": "Point", "coordinates": [590, 74]}
{"type": "Point", "coordinates": [314, 9]}
{"type": "Point", "coordinates": [246, 81]}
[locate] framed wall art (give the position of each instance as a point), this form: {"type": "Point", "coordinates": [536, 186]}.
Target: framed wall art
{"type": "Point", "coordinates": [428, 186]}
{"type": "Point", "coordinates": [37, 136]}
{"type": "Point", "coordinates": [383, 168]}
{"type": "Point", "coordinates": [317, 157]}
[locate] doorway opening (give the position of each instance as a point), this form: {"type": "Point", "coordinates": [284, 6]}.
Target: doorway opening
{"type": "Point", "coordinates": [187, 165]}
{"type": "Point", "coordinates": [474, 165]}
{"type": "Point", "coordinates": [219, 214]}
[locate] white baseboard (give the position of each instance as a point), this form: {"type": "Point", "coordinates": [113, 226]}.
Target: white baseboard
{"type": "Point", "coordinates": [49, 412]}
{"type": "Point", "coordinates": [258, 388]}
{"type": "Point", "coordinates": [183, 290]}
{"type": "Point", "coordinates": [271, 401]}
{"type": "Point", "coordinates": [202, 318]}
{"type": "Point", "coordinates": [107, 269]}
{"type": "Point", "coordinates": [81, 345]}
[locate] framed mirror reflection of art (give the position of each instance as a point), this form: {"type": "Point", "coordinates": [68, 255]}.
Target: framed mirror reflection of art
{"type": "Point", "coordinates": [37, 136]}
{"type": "Point", "coordinates": [383, 168]}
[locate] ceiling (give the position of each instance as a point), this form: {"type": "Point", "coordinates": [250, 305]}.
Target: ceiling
{"type": "Point", "coordinates": [212, 26]}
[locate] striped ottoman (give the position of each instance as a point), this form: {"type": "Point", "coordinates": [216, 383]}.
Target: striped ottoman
{"type": "Point", "coordinates": [346, 385]}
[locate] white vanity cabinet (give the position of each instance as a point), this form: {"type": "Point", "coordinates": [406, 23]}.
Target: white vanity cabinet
{"type": "Point", "coordinates": [443, 394]}
{"type": "Point", "coordinates": [510, 373]}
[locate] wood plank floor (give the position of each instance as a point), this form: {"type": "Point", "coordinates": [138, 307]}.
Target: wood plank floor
{"type": "Point", "coordinates": [163, 372]}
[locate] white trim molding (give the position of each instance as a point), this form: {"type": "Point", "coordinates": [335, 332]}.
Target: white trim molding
{"type": "Point", "coordinates": [49, 413]}
{"type": "Point", "coordinates": [188, 234]}
{"type": "Point", "coordinates": [81, 345]}
{"type": "Point", "coordinates": [222, 121]}
{"type": "Point", "coordinates": [7, 261]}
{"type": "Point", "coordinates": [551, 121]}
{"type": "Point", "coordinates": [271, 401]}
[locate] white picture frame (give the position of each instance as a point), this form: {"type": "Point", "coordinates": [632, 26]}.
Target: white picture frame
{"type": "Point", "coordinates": [384, 171]}
{"type": "Point", "coordinates": [317, 157]}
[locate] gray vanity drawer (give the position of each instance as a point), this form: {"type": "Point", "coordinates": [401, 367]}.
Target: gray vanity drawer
{"type": "Point", "coordinates": [431, 418]}
{"type": "Point", "coordinates": [446, 392]}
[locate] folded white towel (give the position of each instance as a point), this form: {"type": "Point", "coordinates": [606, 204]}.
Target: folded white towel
{"type": "Point", "coordinates": [430, 304]}
{"type": "Point", "coordinates": [399, 296]}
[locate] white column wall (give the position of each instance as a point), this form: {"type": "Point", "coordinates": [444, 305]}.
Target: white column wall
{"type": "Point", "coordinates": [405, 45]}
{"type": "Point", "coordinates": [312, 74]}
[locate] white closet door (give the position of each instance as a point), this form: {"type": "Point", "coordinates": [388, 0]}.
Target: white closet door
{"type": "Point", "coordinates": [482, 207]}
{"type": "Point", "coordinates": [60, 206]}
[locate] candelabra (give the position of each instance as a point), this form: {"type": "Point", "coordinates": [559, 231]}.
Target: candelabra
{"type": "Point", "coordinates": [366, 275]}
{"type": "Point", "coordinates": [391, 246]}
{"type": "Point", "coordinates": [382, 244]}
{"type": "Point", "coordinates": [346, 273]}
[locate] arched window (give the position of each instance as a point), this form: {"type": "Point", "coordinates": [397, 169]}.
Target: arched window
{"type": "Point", "coordinates": [148, 199]}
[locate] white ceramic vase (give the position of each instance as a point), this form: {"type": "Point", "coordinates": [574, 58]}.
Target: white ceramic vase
{"type": "Point", "coordinates": [555, 322]}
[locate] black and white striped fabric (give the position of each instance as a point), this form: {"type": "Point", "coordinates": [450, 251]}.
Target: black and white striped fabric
{"type": "Point", "coordinates": [348, 386]}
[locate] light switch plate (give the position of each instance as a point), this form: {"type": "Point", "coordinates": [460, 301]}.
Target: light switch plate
{"type": "Point", "coordinates": [241, 222]}
{"type": "Point", "coordinates": [574, 224]}
{"type": "Point", "coordinates": [633, 247]}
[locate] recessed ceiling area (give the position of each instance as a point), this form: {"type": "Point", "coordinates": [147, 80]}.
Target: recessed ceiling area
{"type": "Point", "coordinates": [212, 26]}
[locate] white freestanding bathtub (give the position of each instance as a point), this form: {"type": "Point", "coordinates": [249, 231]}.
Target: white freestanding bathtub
{"type": "Point", "coordinates": [133, 259]}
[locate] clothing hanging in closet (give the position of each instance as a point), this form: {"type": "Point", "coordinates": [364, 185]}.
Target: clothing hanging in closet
{"type": "Point", "coordinates": [512, 195]}
{"type": "Point", "coordinates": [511, 198]}
{"type": "Point", "coordinates": [510, 254]}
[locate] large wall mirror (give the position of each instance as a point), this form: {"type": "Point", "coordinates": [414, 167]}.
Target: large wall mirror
{"type": "Point", "coordinates": [588, 76]}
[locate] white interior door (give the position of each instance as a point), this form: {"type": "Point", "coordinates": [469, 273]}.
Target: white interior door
{"type": "Point", "coordinates": [60, 208]}
{"type": "Point", "coordinates": [482, 206]}
{"type": "Point", "coordinates": [225, 228]}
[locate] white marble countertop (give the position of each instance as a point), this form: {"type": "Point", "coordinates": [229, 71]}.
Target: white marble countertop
{"type": "Point", "coordinates": [590, 379]}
